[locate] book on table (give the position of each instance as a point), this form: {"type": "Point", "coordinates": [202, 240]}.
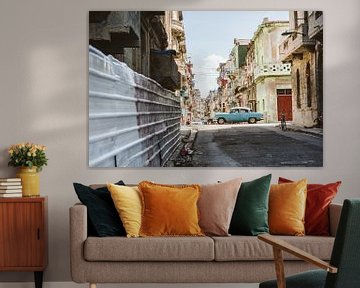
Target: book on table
{"type": "Point", "coordinates": [10, 184]}
{"type": "Point", "coordinates": [9, 195]}
{"type": "Point", "coordinates": [2, 188]}
{"type": "Point", "coordinates": [6, 180]}
{"type": "Point", "coordinates": [10, 187]}
{"type": "Point", "coordinates": [10, 191]}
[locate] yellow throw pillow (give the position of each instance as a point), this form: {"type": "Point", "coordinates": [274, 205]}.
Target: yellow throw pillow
{"type": "Point", "coordinates": [127, 201]}
{"type": "Point", "coordinates": [287, 204]}
{"type": "Point", "coordinates": [169, 210]}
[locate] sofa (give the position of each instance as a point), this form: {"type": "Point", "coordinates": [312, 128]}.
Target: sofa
{"type": "Point", "coordinates": [233, 259]}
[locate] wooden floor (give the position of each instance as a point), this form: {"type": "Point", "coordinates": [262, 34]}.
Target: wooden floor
{"type": "Point", "coordinates": [74, 285]}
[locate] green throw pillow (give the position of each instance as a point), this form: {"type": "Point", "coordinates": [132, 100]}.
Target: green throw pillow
{"type": "Point", "coordinates": [250, 216]}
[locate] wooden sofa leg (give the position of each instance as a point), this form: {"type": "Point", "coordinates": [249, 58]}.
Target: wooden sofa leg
{"type": "Point", "coordinates": [92, 285]}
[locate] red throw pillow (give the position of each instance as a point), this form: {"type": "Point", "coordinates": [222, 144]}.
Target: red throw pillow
{"type": "Point", "coordinates": [319, 197]}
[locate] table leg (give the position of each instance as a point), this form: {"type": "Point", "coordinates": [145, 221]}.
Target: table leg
{"type": "Point", "coordinates": [38, 279]}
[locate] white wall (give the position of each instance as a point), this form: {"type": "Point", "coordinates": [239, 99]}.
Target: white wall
{"type": "Point", "coordinates": [43, 81]}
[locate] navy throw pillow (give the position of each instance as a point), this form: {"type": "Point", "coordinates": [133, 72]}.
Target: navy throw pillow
{"type": "Point", "coordinates": [103, 218]}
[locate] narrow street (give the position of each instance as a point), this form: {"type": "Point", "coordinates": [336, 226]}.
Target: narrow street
{"type": "Point", "coordinates": [259, 145]}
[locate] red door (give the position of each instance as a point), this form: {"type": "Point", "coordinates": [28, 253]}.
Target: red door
{"type": "Point", "coordinates": [284, 105]}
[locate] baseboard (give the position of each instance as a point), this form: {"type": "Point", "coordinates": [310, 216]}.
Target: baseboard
{"type": "Point", "coordinates": [74, 285]}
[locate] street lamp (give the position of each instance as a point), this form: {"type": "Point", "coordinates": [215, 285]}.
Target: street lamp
{"type": "Point", "coordinates": [286, 33]}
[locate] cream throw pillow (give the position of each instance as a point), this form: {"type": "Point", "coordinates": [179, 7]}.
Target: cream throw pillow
{"type": "Point", "coordinates": [127, 201]}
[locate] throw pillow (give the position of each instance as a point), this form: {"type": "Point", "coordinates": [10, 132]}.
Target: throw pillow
{"type": "Point", "coordinates": [318, 200]}
{"type": "Point", "coordinates": [250, 215]}
{"type": "Point", "coordinates": [169, 210]}
{"type": "Point", "coordinates": [127, 201]}
{"type": "Point", "coordinates": [216, 206]}
{"type": "Point", "coordinates": [287, 208]}
{"type": "Point", "coordinates": [102, 215]}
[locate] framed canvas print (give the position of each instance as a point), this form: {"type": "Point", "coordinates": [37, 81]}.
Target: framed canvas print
{"type": "Point", "coordinates": [205, 88]}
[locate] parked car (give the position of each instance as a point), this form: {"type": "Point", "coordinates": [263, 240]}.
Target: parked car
{"type": "Point", "coordinates": [237, 115]}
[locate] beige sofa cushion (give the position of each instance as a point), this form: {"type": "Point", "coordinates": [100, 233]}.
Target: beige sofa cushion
{"type": "Point", "coordinates": [149, 249]}
{"type": "Point", "coordinates": [243, 248]}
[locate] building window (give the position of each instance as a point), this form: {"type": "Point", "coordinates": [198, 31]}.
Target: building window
{"type": "Point", "coordinates": [280, 91]}
{"type": "Point", "coordinates": [298, 99]}
{"type": "Point", "coordinates": [286, 92]}
{"type": "Point", "coordinates": [308, 85]}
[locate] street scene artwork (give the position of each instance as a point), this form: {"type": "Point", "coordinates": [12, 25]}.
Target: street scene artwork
{"type": "Point", "coordinates": [205, 89]}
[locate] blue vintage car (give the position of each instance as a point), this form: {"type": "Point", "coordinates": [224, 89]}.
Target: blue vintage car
{"type": "Point", "coordinates": [237, 115]}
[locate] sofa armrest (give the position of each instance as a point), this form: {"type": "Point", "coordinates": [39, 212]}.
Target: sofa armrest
{"type": "Point", "coordinates": [334, 217]}
{"type": "Point", "coordinates": [78, 235]}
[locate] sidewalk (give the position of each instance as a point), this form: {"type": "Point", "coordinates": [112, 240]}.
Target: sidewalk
{"type": "Point", "coordinates": [313, 131]}
{"type": "Point", "coordinates": [182, 156]}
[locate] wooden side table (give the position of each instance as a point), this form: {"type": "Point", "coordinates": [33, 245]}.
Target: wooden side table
{"type": "Point", "coordinates": [23, 235]}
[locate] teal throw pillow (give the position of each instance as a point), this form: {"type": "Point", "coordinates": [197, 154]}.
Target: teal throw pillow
{"type": "Point", "coordinates": [250, 216]}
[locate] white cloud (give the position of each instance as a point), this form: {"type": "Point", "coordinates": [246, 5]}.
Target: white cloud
{"type": "Point", "coordinates": [206, 74]}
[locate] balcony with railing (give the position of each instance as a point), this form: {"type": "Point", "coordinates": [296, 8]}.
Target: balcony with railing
{"type": "Point", "coordinates": [164, 70]}
{"type": "Point", "coordinates": [297, 42]}
{"type": "Point", "coordinates": [177, 27]}
{"type": "Point", "coordinates": [273, 69]}
{"type": "Point", "coordinates": [111, 32]}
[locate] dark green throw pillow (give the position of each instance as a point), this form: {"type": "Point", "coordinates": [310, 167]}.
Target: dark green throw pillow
{"type": "Point", "coordinates": [103, 219]}
{"type": "Point", "coordinates": [250, 216]}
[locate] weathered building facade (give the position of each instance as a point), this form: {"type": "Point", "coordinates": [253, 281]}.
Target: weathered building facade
{"type": "Point", "coordinates": [303, 49]}
{"type": "Point", "coordinates": [249, 86]}
{"type": "Point", "coordinates": [254, 75]}
{"type": "Point", "coordinates": [139, 39]}
{"type": "Point", "coordinates": [238, 74]}
{"type": "Point", "coordinates": [198, 108]}
{"type": "Point", "coordinates": [187, 94]}
{"type": "Point", "coordinates": [174, 27]}
{"type": "Point", "coordinates": [271, 77]}
{"type": "Point", "coordinates": [223, 86]}
{"type": "Point", "coordinates": [211, 105]}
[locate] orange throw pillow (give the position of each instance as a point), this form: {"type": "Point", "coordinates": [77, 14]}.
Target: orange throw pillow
{"type": "Point", "coordinates": [169, 210]}
{"type": "Point", "coordinates": [318, 200]}
{"type": "Point", "coordinates": [287, 204]}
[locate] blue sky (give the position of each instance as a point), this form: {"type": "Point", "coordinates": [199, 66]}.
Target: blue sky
{"type": "Point", "coordinates": [210, 35]}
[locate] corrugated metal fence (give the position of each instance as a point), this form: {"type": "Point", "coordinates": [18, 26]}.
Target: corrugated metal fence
{"type": "Point", "coordinates": [133, 121]}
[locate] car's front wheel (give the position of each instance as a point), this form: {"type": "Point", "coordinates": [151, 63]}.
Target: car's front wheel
{"type": "Point", "coordinates": [221, 121]}
{"type": "Point", "coordinates": [252, 120]}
